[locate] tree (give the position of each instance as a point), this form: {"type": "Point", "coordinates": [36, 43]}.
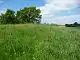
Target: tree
{"type": "Point", "coordinates": [0, 19]}
{"type": "Point", "coordinates": [75, 23]}
{"type": "Point", "coordinates": [29, 15]}
{"type": "Point", "coordinates": [25, 15]}
{"type": "Point", "coordinates": [8, 17]}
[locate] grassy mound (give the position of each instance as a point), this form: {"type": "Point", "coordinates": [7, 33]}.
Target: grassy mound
{"type": "Point", "coordinates": [39, 42]}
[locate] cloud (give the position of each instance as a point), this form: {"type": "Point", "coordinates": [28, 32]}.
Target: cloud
{"type": "Point", "coordinates": [62, 19]}
{"type": "Point", "coordinates": [52, 7]}
{"type": "Point", "coordinates": [2, 11]}
{"type": "Point", "coordinates": [67, 19]}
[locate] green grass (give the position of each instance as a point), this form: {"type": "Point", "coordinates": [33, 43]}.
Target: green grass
{"type": "Point", "coordinates": [39, 42]}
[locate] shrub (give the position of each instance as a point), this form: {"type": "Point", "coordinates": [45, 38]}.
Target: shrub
{"type": "Point", "coordinates": [69, 25]}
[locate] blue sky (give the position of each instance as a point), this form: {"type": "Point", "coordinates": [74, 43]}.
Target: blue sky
{"type": "Point", "coordinates": [17, 4]}
{"type": "Point", "coordinates": [53, 11]}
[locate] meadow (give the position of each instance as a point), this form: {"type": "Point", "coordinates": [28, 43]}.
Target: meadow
{"type": "Point", "coordinates": [39, 42]}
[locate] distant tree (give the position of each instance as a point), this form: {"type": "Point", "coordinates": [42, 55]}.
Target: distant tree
{"type": "Point", "coordinates": [75, 23]}
{"type": "Point", "coordinates": [8, 17]}
{"type": "Point", "coordinates": [0, 19]}
{"type": "Point", "coordinates": [69, 25]}
{"type": "Point", "coordinates": [29, 15]}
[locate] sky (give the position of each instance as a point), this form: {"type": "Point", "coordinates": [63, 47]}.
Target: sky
{"type": "Point", "coordinates": [52, 11]}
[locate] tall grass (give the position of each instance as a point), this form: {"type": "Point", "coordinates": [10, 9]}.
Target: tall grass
{"type": "Point", "coordinates": [39, 42]}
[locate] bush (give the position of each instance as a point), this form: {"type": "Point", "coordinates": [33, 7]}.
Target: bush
{"type": "Point", "coordinates": [69, 25]}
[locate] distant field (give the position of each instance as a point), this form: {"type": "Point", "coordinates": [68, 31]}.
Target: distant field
{"type": "Point", "coordinates": [39, 42]}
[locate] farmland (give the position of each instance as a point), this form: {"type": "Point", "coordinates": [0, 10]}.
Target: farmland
{"type": "Point", "coordinates": [39, 42]}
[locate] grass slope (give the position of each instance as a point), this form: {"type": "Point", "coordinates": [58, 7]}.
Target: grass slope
{"type": "Point", "coordinates": [39, 42]}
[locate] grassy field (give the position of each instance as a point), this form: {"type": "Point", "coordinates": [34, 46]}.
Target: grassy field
{"type": "Point", "coordinates": [39, 42]}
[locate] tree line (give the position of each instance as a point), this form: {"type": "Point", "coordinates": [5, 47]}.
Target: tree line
{"type": "Point", "coordinates": [75, 24]}
{"type": "Point", "coordinates": [25, 15]}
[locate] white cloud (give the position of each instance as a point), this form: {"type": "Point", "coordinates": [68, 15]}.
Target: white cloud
{"type": "Point", "coordinates": [67, 19]}
{"type": "Point", "coordinates": [51, 7]}
{"type": "Point", "coordinates": [62, 19]}
{"type": "Point", "coordinates": [2, 11]}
